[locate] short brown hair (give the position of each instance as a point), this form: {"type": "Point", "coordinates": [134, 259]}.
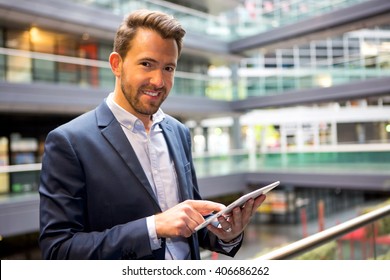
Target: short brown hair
{"type": "Point", "coordinates": [167, 26]}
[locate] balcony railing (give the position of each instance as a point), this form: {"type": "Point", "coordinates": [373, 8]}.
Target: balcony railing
{"type": "Point", "coordinates": [25, 177]}
{"type": "Point", "coordinates": [20, 66]}
{"type": "Point", "coordinates": [364, 237]}
{"type": "Point", "coordinates": [233, 23]}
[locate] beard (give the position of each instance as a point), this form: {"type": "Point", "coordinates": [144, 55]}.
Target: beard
{"type": "Point", "coordinates": [133, 97]}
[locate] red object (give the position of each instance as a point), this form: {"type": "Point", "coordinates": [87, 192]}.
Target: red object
{"type": "Point", "coordinates": [321, 208]}
{"type": "Point", "coordinates": [304, 222]}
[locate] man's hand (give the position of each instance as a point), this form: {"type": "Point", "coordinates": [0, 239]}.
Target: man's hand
{"type": "Point", "coordinates": [232, 226]}
{"type": "Point", "coordinates": [182, 219]}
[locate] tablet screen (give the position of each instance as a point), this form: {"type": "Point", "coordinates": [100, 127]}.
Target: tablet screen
{"type": "Point", "coordinates": [239, 202]}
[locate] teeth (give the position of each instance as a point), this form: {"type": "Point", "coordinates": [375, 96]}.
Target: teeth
{"type": "Point", "coordinates": [151, 93]}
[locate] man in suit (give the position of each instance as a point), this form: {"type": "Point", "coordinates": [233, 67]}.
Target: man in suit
{"type": "Point", "coordinates": [118, 182]}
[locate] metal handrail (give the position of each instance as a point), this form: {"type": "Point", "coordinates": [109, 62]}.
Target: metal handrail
{"type": "Point", "coordinates": [85, 61]}
{"type": "Point", "coordinates": [20, 168]}
{"type": "Point", "coordinates": [315, 240]}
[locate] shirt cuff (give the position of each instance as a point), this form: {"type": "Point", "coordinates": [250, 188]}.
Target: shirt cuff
{"type": "Point", "coordinates": [155, 243]}
{"type": "Point", "coordinates": [229, 246]}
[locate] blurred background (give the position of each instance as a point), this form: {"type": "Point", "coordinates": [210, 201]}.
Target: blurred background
{"type": "Point", "coordinates": [290, 90]}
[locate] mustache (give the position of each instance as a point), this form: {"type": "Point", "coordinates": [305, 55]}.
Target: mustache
{"type": "Point", "coordinates": [149, 88]}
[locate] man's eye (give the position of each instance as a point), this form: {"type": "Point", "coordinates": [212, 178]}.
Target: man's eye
{"type": "Point", "coordinates": [170, 69]}
{"type": "Point", "coordinates": [146, 64]}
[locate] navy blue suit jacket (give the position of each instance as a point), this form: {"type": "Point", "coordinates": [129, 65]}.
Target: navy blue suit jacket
{"type": "Point", "coordinates": [95, 196]}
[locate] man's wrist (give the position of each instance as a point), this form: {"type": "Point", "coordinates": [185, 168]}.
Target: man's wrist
{"type": "Point", "coordinates": [233, 241]}
{"type": "Point", "coordinates": [155, 242]}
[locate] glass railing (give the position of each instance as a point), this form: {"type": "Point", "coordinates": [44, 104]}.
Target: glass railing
{"type": "Point", "coordinates": [19, 66]}
{"type": "Point", "coordinates": [377, 162]}
{"type": "Point", "coordinates": [25, 177]}
{"type": "Point", "coordinates": [366, 237]}
{"type": "Point", "coordinates": [273, 81]}
{"type": "Point", "coordinates": [274, 14]}
{"type": "Point", "coordinates": [191, 19]}
{"type": "Point", "coordinates": [291, 80]}
{"type": "Point", "coordinates": [243, 20]}
{"type": "Point", "coordinates": [21, 178]}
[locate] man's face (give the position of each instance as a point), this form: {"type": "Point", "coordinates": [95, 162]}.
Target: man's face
{"type": "Point", "coordinates": [147, 72]}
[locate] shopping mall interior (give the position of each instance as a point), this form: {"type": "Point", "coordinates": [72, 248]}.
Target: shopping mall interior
{"type": "Point", "coordinates": [295, 91]}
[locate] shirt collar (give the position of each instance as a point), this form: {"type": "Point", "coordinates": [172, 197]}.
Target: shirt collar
{"type": "Point", "coordinates": [127, 119]}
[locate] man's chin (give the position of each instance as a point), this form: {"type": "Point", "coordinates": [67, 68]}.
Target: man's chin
{"type": "Point", "coordinates": [148, 112]}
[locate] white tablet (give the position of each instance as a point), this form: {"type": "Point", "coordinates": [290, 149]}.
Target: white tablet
{"type": "Point", "coordinates": [238, 203]}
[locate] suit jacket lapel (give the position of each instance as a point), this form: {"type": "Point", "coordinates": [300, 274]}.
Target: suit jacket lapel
{"type": "Point", "coordinates": [113, 132]}
{"type": "Point", "coordinates": [178, 156]}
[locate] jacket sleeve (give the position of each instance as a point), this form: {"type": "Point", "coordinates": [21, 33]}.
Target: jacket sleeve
{"type": "Point", "coordinates": [64, 232]}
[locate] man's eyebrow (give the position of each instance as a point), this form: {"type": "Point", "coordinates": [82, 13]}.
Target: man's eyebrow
{"type": "Point", "coordinates": [173, 65]}
{"type": "Point", "coordinates": [149, 59]}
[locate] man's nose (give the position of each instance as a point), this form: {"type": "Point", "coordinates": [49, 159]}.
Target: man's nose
{"type": "Point", "coordinates": [157, 79]}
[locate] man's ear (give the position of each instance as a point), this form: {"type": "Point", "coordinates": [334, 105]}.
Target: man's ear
{"type": "Point", "coordinates": [116, 63]}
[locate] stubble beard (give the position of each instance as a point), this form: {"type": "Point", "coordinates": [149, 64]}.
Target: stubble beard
{"type": "Point", "coordinates": [135, 102]}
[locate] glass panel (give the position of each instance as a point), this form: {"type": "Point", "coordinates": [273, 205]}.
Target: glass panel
{"type": "Point", "coordinates": [89, 75]}
{"type": "Point", "coordinates": [2, 57]}
{"type": "Point", "coordinates": [106, 78]}
{"type": "Point", "coordinates": [43, 42]}
{"type": "Point", "coordinates": [44, 70]}
{"type": "Point", "coordinates": [2, 67]}
{"type": "Point", "coordinates": [18, 67]}
{"type": "Point", "coordinates": [23, 151]}
{"type": "Point", "coordinates": [363, 162]}
{"type": "Point", "coordinates": [4, 177]}
{"type": "Point", "coordinates": [66, 72]}
{"type": "Point", "coordinates": [27, 181]}
{"type": "Point", "coordinates": [189, 86]}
